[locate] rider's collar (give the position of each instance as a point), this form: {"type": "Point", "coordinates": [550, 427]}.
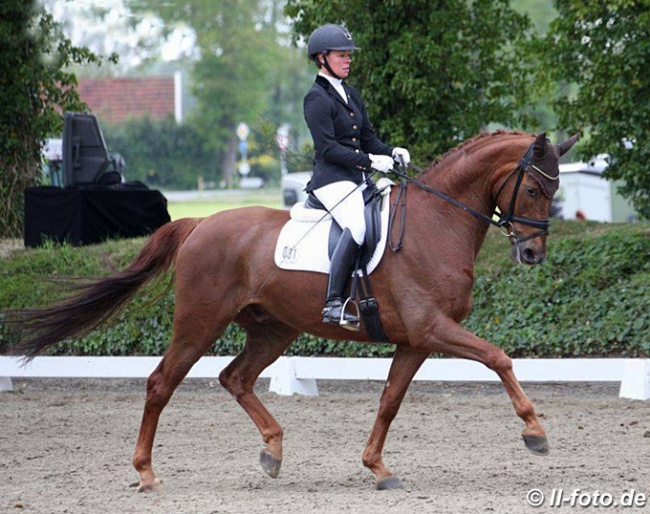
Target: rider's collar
{"type": "Point", "coordinates": [337, 84]}
{"type": "Point", "coordinates": [332, 80]}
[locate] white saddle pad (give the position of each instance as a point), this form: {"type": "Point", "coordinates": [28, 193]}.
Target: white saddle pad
{"type": "Point", "coordinates": [303, 241]}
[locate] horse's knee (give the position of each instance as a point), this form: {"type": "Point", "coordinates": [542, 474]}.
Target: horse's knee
{"type": "Point", "coordinates": [498, 361]}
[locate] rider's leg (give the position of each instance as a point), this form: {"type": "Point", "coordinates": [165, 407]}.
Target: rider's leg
{"type": "Point", "coordinates": [340, 267]}
{"type": "Point", "coordinates": [344, 201]}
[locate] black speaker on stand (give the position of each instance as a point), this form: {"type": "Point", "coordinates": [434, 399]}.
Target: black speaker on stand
{"type": "Point", "coordinates": [95, 203]}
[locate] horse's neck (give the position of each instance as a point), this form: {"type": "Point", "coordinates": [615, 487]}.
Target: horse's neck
{"type": "Point", "coordinates": [470, 172]}
{"type": "Point", "coordinates": [469, 175]}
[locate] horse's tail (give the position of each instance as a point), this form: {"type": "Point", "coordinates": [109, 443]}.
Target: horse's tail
{"type": "Point", "coordinates": [98, 301]}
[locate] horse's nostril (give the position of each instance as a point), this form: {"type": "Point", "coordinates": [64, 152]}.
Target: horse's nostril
{"type": "Point", "coordinates": [530, 256]}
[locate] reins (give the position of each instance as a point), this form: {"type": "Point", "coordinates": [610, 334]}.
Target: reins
{"type": "Point", "coordinates": [505, 220]}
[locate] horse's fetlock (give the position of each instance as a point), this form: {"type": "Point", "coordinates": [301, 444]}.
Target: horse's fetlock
{"type": "Point", "coordinates": [141, 463]}
{"type": "Point", "coordinates": [274, 437]}
{"type": "Point", "coordinates": [368, 460]}
{"type": "Point", "coordinates": [525, 410]}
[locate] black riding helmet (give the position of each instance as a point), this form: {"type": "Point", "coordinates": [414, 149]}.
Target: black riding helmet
{"type": "Point", "coordinates": [327, 38]}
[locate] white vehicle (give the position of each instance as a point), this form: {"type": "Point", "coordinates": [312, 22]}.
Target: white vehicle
{"type": "Point", "coordinates": [293, 188]}
{"type": "Point", "coordinates": [52, 153]}
{"type": "Point", "coordinates": [587, 195]}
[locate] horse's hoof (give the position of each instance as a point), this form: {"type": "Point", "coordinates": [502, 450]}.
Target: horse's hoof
{"type": "Point", "coordinates": [270, 464]}
{"type": "Point", "coordinates": [151, 487]}
{"type": "Point", "coordinates": [392, 482]}
{"type": "Point", "coordinates": [537, 444]}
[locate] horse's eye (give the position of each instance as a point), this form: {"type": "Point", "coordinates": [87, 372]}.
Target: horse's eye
{"type": "Point", "coordinates": [532, 191]}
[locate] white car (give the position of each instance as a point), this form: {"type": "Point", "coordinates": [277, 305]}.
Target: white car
{"type": "Point", "coordinates": [293, 188]}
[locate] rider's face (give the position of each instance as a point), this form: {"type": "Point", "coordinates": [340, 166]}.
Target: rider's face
{"type": "Point", "coordinates": [339, 61]}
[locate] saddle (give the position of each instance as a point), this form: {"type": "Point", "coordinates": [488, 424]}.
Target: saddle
{"type": "Point", "coordinates": [308, 239]}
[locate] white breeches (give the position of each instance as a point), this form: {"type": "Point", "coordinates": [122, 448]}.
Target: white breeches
{"type": "Point", "coordinates": [349, 212]}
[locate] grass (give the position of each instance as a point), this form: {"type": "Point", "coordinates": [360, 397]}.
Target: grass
{"type": "Point", "coordinates": [209, 202]}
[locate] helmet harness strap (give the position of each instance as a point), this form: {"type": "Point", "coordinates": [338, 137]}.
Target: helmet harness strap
{"type": "Point", "coordinates": [328, 67]}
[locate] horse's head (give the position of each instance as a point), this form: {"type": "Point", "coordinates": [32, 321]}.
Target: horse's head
{"type": "Point", "coordinates": [524, 198]}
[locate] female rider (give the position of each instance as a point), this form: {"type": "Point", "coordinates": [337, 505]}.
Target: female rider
{"type": "Point", "coordinates": [346, 148]}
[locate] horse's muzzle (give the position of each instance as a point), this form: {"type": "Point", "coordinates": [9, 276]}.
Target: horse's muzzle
{"type": "Point", "coordinates": [528, 253]}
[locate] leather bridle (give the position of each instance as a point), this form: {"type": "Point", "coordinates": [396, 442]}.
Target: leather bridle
{"type": "Point", "coordinates": [506, 221]}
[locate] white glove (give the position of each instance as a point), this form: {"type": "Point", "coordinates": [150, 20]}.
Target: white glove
{"type": "Point", "coordinates": [401, 156]}
{"type": "Point", "coordinates": [381, 163]}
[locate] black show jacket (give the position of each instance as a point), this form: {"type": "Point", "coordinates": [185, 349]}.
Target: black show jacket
{"type": "Point", "coordinates": [342, 133]}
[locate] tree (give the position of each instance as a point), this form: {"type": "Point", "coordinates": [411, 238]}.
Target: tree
{"type": "Point", "coordinates": [238, 72]}
{"type": "Point", "coordinates": [600, 52]}
{"type": "Point", "coordinates": [35, 91]}
{"type": "Point", "coordinates": [432, 72]}
{"type": "Point", "coordinates": [161, 153]}
{"type": "Point", "coordinates": [108, 28]}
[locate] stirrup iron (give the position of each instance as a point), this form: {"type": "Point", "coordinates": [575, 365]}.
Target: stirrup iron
{"type": "Point", "coordinates": [353, 326]}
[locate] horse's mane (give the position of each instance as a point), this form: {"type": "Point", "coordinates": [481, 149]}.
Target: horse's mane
{"type": "Point", "coordinates": [482, 135]}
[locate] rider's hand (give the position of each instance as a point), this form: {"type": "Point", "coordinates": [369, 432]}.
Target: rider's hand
{"type": "Point", "coordinates": [401, 156]}
{"type": "Point", "coordinates": [382, 163]}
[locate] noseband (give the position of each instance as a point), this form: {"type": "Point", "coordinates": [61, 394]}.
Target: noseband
{"type": "Point", "coordinates": [506, 221]}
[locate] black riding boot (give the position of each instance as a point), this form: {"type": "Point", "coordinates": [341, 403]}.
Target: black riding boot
{"type": "Point", "coordinates": [340, 267]}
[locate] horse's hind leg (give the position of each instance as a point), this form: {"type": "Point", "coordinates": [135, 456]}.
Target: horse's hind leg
{"type": "Point", "coordinates": [266, 340]}
{"type": "Point", "coordinates": [190, 341]}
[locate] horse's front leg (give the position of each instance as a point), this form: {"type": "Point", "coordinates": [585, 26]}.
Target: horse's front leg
{"type": "Point", "coordinates": [405, 365]}
{"type": "Point", "coordinates": [456, 341]}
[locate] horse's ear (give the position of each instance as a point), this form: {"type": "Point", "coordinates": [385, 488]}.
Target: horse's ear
{"type": "Point", "coordinates": [539, 146]}
{"type": "Point", "coordinates": [565, 146]}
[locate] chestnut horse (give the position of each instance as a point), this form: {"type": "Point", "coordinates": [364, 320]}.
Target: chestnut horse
{"type": "Point", "coordinates": [225, 272]}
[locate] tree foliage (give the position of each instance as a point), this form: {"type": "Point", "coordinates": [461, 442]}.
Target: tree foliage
{"type": "Point", "coordinates": [161, 153]}
{"type": "Point", "coordinates": [35, 90]}
{"type": "Point", "coordinates": [243, 72]}
{"type": "Point", "coordinates": [171, 156]}
{"type": "Point", "coordinates": [432, 73]}
{"type": "Point", "coordinates": [599, 52]}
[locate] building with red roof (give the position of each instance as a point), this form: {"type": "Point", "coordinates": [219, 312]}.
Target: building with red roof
{"type": "Point", "coordinates": [115, 100]}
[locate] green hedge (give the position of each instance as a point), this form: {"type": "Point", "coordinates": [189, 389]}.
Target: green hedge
{"type": "Point", "coordinates": [591, 298]}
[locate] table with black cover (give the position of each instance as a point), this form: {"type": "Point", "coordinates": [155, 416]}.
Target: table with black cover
{"type": "Point", "coordinates": [93, 214]}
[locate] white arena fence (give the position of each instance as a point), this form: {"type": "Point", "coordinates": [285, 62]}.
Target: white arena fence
{"type": "Point", "coordinates": [298, 375]}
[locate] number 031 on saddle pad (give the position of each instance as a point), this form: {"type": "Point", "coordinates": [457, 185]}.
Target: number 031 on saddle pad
{"type": "Point", "coordinates": [304, 240]}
